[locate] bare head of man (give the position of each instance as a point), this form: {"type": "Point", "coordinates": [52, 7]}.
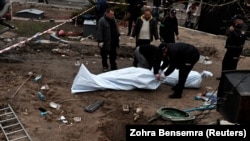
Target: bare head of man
{"type": "Point", "coordinates": [110, 13]}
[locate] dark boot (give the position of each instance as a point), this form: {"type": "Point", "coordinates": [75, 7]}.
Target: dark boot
{"type": "Point", "coordinates": [176, 94]}
{"type": "Point", "coordinates": [192, 25]}
{"type": "Point", "coordinates": [129, 32]}
{"type": "Point", "coordinates": [114, 67]}
{"type": "Point", "coordinates": [174, 88]}
{"type": "Point", "coordinates": [186, 24]}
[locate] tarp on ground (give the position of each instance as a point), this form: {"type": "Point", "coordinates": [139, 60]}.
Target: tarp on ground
{"type": "Point", "coordinates": [127, 79]}
{"type": "Point", "coordinates": [193, 81]}
{"type": "Point", "coordinates": [123, 79]}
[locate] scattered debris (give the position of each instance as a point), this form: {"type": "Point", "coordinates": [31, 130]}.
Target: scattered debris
{"type": "Point", "coordinates": [138, 113]}
{"type": "Point", "coordinates": [93, 107]}
{"type": "Point", "coordinates": [45, 42]}
{"type": "Point", "coordinates": [45, 87]}
{"type": "Point", "coordinates": [90, 37]}
{"type": "Point", "coordinates": [54, 105]}
{"type": "Point", "coordinates": [63, 119]}
{"type": "Point", "coordinates": [77, 63]}
{"type": "Point", "coordinates": [64, 52]}
{"type": "Point", "coordinates": [53, 37]}
{"type": "Point", "coordinates": [38, 77]}
{"type": "Point", "coordinates": [62, 33]}
{"type": "Point", "coordinates": [41, 96]}
{"type": "Point", "coordinates": [206, 74]}
{"type": "Point", "coordinates": [125, 108]}
{"type": "Point", "coordinates": [200, 97]}
{"type": "Point", "coordinates": [43, 112]}
{"type": "Point", "coordinates": [77, 119]}
{"type": "Point", "coordinates": [205, 60]}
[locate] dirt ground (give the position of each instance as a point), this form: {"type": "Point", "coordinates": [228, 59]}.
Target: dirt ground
{"type": "Point", "coordinates": [58, 70]}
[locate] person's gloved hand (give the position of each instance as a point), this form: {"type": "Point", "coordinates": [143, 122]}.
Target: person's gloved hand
{"type": "Point", "coordinates": [100, 45]}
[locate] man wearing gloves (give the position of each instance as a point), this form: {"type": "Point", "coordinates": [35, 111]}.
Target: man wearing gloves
{"type": "Point", "coordinates": [108, 39]}
{"type": "Point", "coordinates": [145, 29]}
{"type": "Point", "coordinates": [180, 56]}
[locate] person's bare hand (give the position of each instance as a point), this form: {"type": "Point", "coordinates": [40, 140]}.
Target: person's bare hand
{"type": "Point", "coordinates": [100, 45]}
{"type": "Point", "coordinates": [231, 28]}
{"type": "Point", "coordinates": [177, 37]}
{"type": "Point", "coordinates": [158, 76]}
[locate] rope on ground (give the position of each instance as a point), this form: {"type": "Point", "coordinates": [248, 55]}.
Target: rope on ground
{"type": "Point", "coordinates": [39, 34]}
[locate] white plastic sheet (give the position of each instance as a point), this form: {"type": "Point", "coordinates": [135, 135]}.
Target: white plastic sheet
{"type": "Point", "coordinates": [193, 81]}
{"type": "Point", "coordinates": [128, 79]}
{"type": "Point", "coordinates": [123, 79]}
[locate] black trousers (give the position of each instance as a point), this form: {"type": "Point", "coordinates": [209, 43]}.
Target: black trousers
{"type": "Point", "coordinates": [169, 38]}
{"type": "Point", "coordinates": [142, 42]}
{"type": "Point", "coordinates": [41, 1]}
{"type": "Point", "coordinates": [231, 58]}
{"type": "Point", "coordinates": [184, 71]}
{"type": "Point", "coordinates": [112, 57]}
{"type": "Point", "coordinates": [132, 19]}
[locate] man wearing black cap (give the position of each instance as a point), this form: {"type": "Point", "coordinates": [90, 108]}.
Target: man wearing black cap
{"type": "Point", "coordinates": [236, 36]}
{"type": "Point", "coordinates": [169, 28]}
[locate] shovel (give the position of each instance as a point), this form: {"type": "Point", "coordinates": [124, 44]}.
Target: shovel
{"type": "Point", "coordinates": [30, 75]}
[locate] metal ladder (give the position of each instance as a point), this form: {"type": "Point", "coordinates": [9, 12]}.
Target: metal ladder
{"type": "Point", "coordinates": [11, 126]}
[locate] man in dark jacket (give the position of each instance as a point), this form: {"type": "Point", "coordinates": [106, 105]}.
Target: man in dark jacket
{"type": "Point", "coordinates": [179, 56]}
{"type": "Point", "coordinates": [236, 37]}
{"type": "Point", "coordinates": [148, 57]}
{"type": "Point", "coordinates": [169, 27]}
{"type": "Point", "coordinates": [108, 39]}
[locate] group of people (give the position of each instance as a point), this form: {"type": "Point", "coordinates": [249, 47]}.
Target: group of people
{"type": "Point", "coordinates": [169, 55]}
